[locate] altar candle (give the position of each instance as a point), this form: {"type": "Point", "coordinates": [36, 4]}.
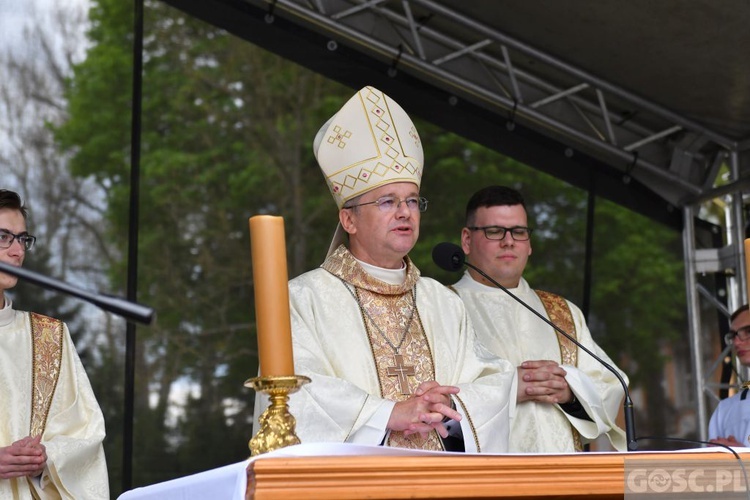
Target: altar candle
{"type": "Point", "coordinates": [268, 249]}
{"type": "Point", "coordinates": [747, 270]}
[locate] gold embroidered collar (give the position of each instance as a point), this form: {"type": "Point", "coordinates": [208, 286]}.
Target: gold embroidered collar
{"type": "Point", "coordinates": [342, 264]}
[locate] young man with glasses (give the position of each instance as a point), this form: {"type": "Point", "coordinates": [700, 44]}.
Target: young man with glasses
{"type": "Point", "coordinates": [391, 355]}
{"type": "Point", "coordinates": [51, 427]}
{"type": "Point", "coordinates": [571, 398]}
{"type": "Point", "coordinates": [730, 422]}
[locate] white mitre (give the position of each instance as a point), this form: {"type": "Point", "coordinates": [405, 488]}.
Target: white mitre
{"type": "Point", "coordinates": [368, 143]}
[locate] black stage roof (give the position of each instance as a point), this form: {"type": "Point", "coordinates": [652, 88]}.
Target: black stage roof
{"type": "Point", "coordinates": [645, 103]}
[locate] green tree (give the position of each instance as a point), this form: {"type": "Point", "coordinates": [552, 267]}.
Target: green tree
{"type": "Point", "coordinates": [227, 133]}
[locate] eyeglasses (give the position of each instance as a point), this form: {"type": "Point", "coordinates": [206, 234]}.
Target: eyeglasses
{"type": "Point", "coordinates": [518, 233]}
{"type": "Point", "coordinates": [391, 203]}
{"type": "Point", "coordinates": [7, 238]}
{"type": "Point", "coordinates": [742, 333]}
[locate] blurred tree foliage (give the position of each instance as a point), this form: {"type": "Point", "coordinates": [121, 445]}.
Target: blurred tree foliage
{"type": "Point", "coordinates": [227, 134]}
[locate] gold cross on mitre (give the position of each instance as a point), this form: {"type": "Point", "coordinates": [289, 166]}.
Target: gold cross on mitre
{"type": "Point", "coordinates": [402, 372]}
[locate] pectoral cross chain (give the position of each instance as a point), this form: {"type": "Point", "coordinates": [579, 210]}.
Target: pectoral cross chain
{"type": "Point", "coordinates": [402, 372]}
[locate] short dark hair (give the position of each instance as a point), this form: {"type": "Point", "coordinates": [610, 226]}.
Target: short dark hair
{"type": "Point", "coordinates": [492, 196]}
{"type": "Point", "coordinates": [738, 312]}
{"type": "Point", "coordinates": [10, 199]}
{"type": "Point", "coordinates": [353, 204]}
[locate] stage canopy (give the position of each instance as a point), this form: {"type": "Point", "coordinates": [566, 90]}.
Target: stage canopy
{"type": "Point", "coordinates": [644, 103]}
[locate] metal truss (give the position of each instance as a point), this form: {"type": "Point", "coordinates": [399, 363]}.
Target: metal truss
{"type": "Point", "coordinates": [729, 260]}
{"type": "Point", "coordinates": [675, 156]}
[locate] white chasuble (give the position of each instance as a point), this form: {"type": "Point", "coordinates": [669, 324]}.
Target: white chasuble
{"type": "Point", "coordinates": [74, 425]}
{"type": "Point", "coordinates": [514, 333]}
{"type": "Point", "coordinates": [400, 350]}
{"type": "Point", "coordinates": [347, 329]}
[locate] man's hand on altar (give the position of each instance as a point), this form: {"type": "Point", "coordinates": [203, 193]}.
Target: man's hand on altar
{"type": "Point", "coordinates": [427, 409]}
{"type": "Point", "coordinates": [542, 381]}
{"type": "Point", "coordinates": [25, 457]}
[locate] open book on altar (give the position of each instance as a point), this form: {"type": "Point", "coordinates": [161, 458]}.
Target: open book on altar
{"type": "Point", "coordinates": [314, 460]}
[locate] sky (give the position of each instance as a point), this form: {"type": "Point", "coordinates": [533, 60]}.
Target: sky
{"type": "Point", "coordinates": [11, 13]}
{"type": "Point", "coordinates": [15, 14]}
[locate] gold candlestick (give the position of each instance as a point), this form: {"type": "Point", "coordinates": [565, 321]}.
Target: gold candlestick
{"type": "Point", "coordinates": [276, 424]}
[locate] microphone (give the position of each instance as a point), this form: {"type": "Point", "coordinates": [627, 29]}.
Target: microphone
{"type": "Point", "coordinates": [451, 257]}
{"type": "Point", "coordinates": [121, 307]}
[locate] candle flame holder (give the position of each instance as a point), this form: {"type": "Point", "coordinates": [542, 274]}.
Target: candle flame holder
{"type": "Point", "coordinates": [276, 425]}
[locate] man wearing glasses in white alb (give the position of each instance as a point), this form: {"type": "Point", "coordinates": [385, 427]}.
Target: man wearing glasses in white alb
{"type": "Point", "coordinates": [572, 399]}
{"type": "Point", "coordinates": [730, 423]}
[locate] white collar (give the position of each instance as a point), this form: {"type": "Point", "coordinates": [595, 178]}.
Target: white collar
{"type": "Point", "coordinates": [468, 281]}
{"type": "Point", "coordinates": [7, 313]}
{"type": "Point", "coordinates": [390, 276]}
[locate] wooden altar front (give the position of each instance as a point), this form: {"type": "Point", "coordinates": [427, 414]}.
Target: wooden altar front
{"type": "Point", "coordinates": [578, 476]}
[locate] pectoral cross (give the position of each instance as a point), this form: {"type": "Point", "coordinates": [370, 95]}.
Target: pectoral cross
{"type": "Point", "coordinates": [402, 372]}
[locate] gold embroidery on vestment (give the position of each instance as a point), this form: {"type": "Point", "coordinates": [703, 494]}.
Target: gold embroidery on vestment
{"type": "Point", "coordinates": [559, 313]}
{"type": "Point", "coordinates": [47, 336]}
{"type": "Point", "coordinates": [389, 305]}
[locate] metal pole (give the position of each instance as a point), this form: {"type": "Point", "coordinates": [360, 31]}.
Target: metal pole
{"type": "Point", "coordinates": [132, 286]}
{"type": "Point", "coordinates": [736, 236]}
{"type": "Point", "coordinates": [694, 321]}
{"type": "Point", "coordinates": [587, 272]}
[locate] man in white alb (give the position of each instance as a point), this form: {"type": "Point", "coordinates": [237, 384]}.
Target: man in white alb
{"type": "Point", "coordinates": [582, 397]}
{"type": "Point", "coordinates": [51, 427]}
{"type": "Point", "coordinates": [392, 355]}
{"type": "Point", "coordinates": [730, 422]}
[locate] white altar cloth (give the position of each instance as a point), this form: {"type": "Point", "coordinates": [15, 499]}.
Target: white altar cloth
{"type": "Point", "coordinates": [228, 482]}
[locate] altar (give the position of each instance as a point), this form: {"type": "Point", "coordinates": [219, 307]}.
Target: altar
{"type": "Point", "coordinates": [326, 471]}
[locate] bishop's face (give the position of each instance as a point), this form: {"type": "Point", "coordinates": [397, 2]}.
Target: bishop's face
{"type": "Point", "coordinates": [379, 236]}
{"type": "Point", "coordinates": [505, 259]}
{"type": "Point", "coordinates": [13, 222]}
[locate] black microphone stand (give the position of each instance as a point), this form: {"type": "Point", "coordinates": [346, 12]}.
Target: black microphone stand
{"type": "Point", "coordinates": [457, 259]}
{"type": "Point", "coordinates": [128, 310]}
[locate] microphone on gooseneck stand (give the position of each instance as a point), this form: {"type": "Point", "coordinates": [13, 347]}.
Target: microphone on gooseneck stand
{"type": "Point", "coordinates": [451, 257]}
